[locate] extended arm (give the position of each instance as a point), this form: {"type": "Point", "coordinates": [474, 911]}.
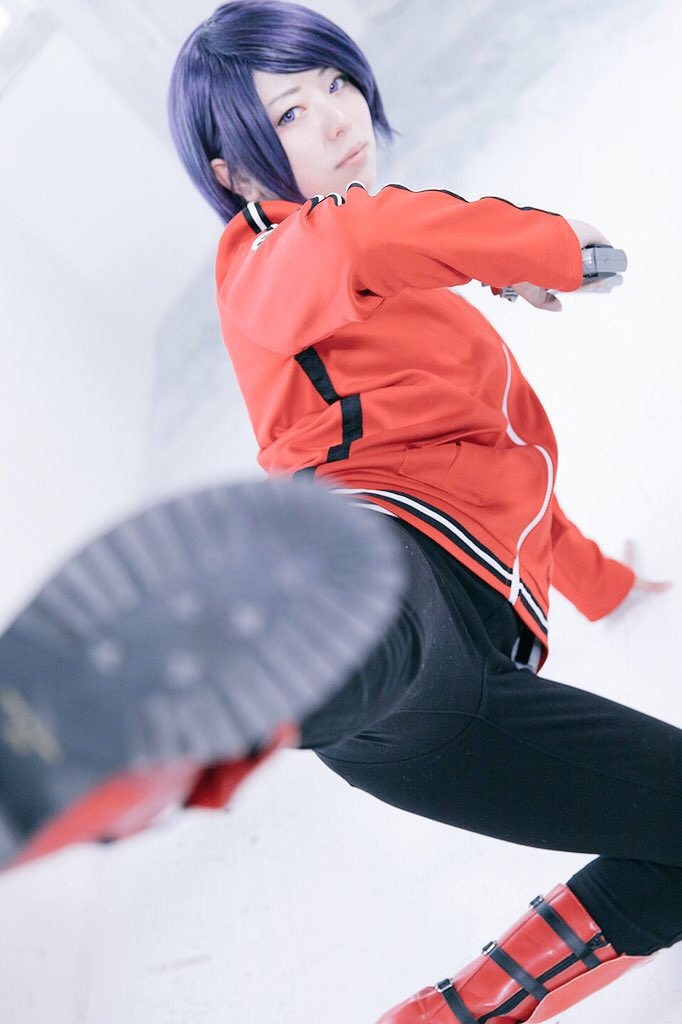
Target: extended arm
{"type": "Point", "coordinates": [592, 582]}
{"type": "Point", "coordinates": [333, 261]}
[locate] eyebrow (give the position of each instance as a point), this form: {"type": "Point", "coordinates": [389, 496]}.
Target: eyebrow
{"type": "Point", "coordinates": [296, 88]}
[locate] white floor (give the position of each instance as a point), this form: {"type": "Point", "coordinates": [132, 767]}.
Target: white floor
{"type": "Point", "coordinates": [313, 902]}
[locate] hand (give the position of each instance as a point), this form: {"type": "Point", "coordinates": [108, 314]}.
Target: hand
{"type": "Point", "coordinates": [586, 234]}
{"type": "Point", "coordinates": [538, 297]}
{"type": "Point", "coordinates": [649, 586]}
{"type": "Point", "coordinates": [602, 284]}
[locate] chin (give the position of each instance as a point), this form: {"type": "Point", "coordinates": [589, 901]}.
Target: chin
{"type": "Point", "coordinates": [368, 180]}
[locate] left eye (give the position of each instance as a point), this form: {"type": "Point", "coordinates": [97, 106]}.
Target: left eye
{"type": "Point", "coordinates": [342, 77]}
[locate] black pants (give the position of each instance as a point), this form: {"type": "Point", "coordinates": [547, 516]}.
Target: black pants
{"type": "Point", "coordinates": [441, 722]}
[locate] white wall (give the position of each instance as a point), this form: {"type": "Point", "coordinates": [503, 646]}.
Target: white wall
{"type": "Point", "coordinates": [99, 232]}
{"type": "Point", "coordinates": [310, 900]}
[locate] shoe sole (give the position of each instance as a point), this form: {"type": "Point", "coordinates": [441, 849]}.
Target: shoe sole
{"type": "Point", "coordinates": [187, 634]}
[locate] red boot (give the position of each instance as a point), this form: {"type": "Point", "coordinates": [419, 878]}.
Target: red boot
{"type": "Point", "coordinates": [553, 957]}
{"type": "Point", "coordinates": [154, 667]}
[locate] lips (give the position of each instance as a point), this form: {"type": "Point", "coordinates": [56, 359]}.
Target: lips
{"type": "Point", "coordinates": [352, 152]}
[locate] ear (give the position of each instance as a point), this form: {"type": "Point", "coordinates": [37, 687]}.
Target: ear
{"type": "Point", "coordinates": [243, 186]}
{"type": "Point", "coordinates": [220, 170]}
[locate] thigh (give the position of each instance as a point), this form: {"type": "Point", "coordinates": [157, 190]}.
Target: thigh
{"type": "Point", "coordinates": [537, 763]}
{"type": "Point", "coordinates": [429, 663]}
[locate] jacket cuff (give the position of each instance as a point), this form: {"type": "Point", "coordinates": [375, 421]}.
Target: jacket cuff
{"type": "Point", "coordinates": [616, 583]}
{"type": "Point", "coordinates": [574, 256]}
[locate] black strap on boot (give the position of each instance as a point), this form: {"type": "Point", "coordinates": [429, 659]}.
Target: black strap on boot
{"type": "Point", "coordinates": [454, 1001]}
{"type": "Point", "coordinates": [582, 950]}
{"type": "Point", "coordinates": [527, 982]}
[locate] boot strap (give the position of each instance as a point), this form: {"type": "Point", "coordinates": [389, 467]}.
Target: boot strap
{"type": "Point", "coordinates": [582, 950]}
{"type": "Point", "coordinates": [533, 986]}
{"type": "Point", "coordinates": [455, 1002]}
{"type": "Point", "coordinates": [510, 966]}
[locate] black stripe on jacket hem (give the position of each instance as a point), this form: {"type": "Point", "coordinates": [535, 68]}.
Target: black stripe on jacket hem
{"type": "Point", "coordinates": [498, 569]}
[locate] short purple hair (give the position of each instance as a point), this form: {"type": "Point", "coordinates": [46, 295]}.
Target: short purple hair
{"type": "Point", "coordinates": [215, 111]}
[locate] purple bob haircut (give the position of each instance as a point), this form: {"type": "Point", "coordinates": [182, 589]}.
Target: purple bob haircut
{"type": "Point", "coordinates": [214, 109]}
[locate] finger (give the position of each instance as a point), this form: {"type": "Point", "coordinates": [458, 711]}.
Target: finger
{"type": "Point", "coordinates": [538, 297]}
{"type": "Point", "coordinates": [629, 557]}
{"type": "Point", "coordinates": [653, 586]}
{"type": "Point", "coordinates": [602, 283]}
{"type": "Point", "coordinates": [530, 292]}
{"type": "Point", "coordinates": [599, 237]}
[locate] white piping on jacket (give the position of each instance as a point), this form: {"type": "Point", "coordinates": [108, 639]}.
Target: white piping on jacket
{"type": "Point", "coordinates": [483, 555]}
{"type": "Point", "coordinates": [372, 505]}
{"type": "Point", "coordinates": [253, 210]}
{"type": "Point", "coordinates": [516, 572]}
{"type": "Point", "coordinates": [402, 499]}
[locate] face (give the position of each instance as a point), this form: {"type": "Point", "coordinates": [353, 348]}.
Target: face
{"type": "Point", "coordinates": [320, 119]}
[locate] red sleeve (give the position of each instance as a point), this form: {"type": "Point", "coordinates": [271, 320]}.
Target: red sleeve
{"type": "Point", "coordinates": [592, 582]}
{"type": "Point", "coordinates": [334, 260]}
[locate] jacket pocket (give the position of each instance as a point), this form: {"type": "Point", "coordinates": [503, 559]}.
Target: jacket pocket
{"type": "Point", "coordinates": [478, 474]}
{"type": "Point", "coordinates": [436, 464]}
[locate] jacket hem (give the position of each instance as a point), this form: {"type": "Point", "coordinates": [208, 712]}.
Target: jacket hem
{"type": "Point", "coordinates": [455, 538]}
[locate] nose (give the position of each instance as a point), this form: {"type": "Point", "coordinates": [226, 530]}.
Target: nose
{"type": "Point", "coordinates": [335, 119]}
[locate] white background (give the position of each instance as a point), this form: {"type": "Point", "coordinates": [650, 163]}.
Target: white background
{"type": "Point", "coordinates": [310, 901]}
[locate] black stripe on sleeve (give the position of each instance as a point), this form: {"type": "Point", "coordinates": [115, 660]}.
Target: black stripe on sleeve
{"type": "Point", "coordinates": [339, 200]}
{"type": "Point", "coordinates": [447, 192]}
{"type": "Point", "coordinates": [536, 208]}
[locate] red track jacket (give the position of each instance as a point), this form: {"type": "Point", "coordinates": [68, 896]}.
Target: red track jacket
{"type": "Point", "coordinates": [359, 364]}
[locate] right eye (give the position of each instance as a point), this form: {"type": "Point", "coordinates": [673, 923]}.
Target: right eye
{"type": "Point", "coordinates": [290, 120]}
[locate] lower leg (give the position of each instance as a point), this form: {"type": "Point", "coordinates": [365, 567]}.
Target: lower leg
{"type": "Point", "coordinates": [637, 903]}
{"type": "Point", "coordinates": [550, 959]}
{"type": "Point", "coordinates": [550, 767]}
